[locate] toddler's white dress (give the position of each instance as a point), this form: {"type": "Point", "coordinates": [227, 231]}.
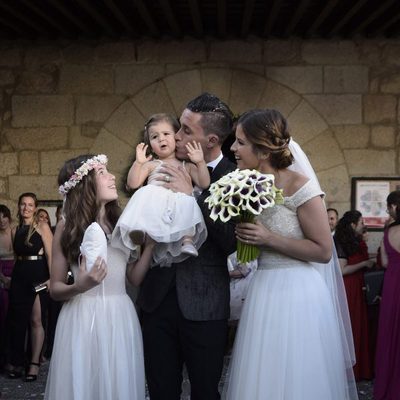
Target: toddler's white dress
{"type": "Point", "coordinates": [98, 349]}
{"type": "Point", "coordinates": [288, 345]}
{"type": "Point", "coordinates": [164, 215]}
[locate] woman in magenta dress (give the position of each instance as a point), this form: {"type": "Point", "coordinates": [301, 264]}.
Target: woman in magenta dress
{"type": "Point", "coordinates": [387, 370]}
{"type": "Point", "coordinates": [353, 257]}
{"type": "Point", "coordinates": [6, 266]}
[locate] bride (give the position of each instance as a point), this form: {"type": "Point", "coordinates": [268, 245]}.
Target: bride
{"type": "Point", "coordinates": [294, 338]}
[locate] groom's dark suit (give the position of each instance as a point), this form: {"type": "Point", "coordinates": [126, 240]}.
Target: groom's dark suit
{"type": "Point", "coordinates": [185, 310]}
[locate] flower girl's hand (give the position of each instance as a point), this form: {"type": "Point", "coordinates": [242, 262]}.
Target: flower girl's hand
{"type": "Point", "coordinates": [87, 280]}
{"type": "Point", "coordinates": [195, 152]}
{"type": "Point", "coordinates": [141, 149]}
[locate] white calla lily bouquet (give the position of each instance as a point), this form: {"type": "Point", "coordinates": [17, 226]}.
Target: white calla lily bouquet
{"type": "Point", "coordinates": [243, 194]}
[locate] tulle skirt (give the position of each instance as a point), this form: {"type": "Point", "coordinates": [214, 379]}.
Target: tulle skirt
{"type": "Point", "coordinates": [164, 215]}
{"type": "Point", "coordinates": [98, 351]}
{"type": "Point", "coordinates": [288, 344]}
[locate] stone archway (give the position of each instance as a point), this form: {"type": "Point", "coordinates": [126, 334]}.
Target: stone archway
{"type": "Point", "coordinates": [242, 90]}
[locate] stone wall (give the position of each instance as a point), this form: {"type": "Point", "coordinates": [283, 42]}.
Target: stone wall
{"type": "Point", "coordinates": [62, 99]}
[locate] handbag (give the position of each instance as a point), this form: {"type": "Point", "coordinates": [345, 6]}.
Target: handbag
{"type": "Point", "coordinates": [373, 282]}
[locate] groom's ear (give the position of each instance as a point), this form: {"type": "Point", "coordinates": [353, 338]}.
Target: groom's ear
{"type": "Point", "coordinates": [212, 140]}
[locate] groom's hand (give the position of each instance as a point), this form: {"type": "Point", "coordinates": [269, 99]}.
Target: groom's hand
{"type": "Point", "coordinates": [179, 179]}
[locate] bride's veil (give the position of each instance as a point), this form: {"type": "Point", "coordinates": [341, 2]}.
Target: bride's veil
{"type": "Point", "coordinates": [331, 273]}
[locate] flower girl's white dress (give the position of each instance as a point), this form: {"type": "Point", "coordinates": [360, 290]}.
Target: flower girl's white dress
{"type": "Point", "coordinates": [98, 350]}
{"type": "Point", "coordinates": [166, 216]}
{"type": "Point", "coordinates": [288, 344]}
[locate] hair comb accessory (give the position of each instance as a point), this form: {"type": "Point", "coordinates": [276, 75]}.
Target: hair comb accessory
{"type": "Point", "coordinates": [81, 172]}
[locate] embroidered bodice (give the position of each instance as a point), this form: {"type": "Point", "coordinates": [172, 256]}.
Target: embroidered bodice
{"type": "Point", "coordinates": [282, 219]}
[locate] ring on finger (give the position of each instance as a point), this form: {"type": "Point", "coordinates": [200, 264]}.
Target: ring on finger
{"type": "Point", "coordinates": [167, 178]}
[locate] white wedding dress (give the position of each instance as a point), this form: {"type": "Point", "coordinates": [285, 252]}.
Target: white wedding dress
{"type": "Point", "coordinates": [288, 344]}
{"type": "Point", "coordinates": [98, 350]}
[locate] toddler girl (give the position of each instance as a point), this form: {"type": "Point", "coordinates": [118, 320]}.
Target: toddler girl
{"type": "Point", "coordinates": [173, 220]}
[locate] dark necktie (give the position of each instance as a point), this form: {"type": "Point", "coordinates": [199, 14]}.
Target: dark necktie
{"type": "Point", "coordinates": [210, 170]}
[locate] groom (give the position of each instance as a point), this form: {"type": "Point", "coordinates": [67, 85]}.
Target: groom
{"type": "Point", "coordinates": [185, 308]}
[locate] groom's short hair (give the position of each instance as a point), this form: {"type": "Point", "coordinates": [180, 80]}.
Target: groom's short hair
{"type": "Point", "coordinates": [216, 117]}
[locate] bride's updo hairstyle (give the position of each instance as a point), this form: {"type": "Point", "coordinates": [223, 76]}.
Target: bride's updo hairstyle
{"type": "Point", "coordinates": [81, 207]}
{"type": "Point", "coordinates": [268, 132]}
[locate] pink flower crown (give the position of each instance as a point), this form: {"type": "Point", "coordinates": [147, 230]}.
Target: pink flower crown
{"type": "Point", "coordinates": [81, 172]}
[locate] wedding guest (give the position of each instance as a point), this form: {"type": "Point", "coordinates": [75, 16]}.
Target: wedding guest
{"type": "Point", "coordinates": [333, 217]}
{"type": "Point", "coordinates": [354, 259]}
{"type": "Point", "coordinates": [32, 247]}
{"type": "Point", "coordinates": [290, 344]}
{"type": "Point", "coordinates": [43, 216]}
{"type": "Point", "coordinates": [185, 308]}
{"type": "Point", "coordinates": [387, 369]}
{"type": "Point", "coordinates": [6, 265]}
{"type": "Point", "coordinates": [97, 350]}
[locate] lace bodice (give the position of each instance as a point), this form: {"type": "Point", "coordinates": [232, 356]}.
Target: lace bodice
{"type": "Point", "coordinates": [114, 282]}
{"type": "Point", "coordinates": [282, 219]}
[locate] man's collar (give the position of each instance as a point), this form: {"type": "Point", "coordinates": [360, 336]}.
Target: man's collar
{"type": "Point", "coordinates": [215, 162]}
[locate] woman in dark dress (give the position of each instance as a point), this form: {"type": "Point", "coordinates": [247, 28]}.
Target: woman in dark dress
{"type": "Point", "coordinates": [32, 247]}
{"type": "Point", "coordinates": [387, 371]}
{"type": "Point", "coordinates": [353, 258]}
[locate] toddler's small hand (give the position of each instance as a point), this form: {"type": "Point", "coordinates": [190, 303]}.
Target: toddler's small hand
{"type": "Point", "coordinates": [195, 152]}
{"type": "Point", "coordinates": [141, 149]}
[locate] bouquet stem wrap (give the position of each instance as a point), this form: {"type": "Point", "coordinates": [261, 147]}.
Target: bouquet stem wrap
{"type": "Point", "coordinates": [246, 252]}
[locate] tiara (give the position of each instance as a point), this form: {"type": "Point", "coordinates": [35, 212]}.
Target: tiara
{"type": "Point", "coordinates": [81, 172]}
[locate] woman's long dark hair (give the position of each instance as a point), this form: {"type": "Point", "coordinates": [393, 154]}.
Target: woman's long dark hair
{"type": "Point", "coordinates": [394, 199]}
{"type": "Point", "coordinates": [81, 208]}
{"type": "Point", "coordinates": [345, 235]}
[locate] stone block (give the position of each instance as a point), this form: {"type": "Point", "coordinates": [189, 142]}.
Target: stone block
{"type": "Point", "coordinates": [86, 79]}
{"type": "Point", "coordinates": [391, 83]}
{"type": "Point", "coordinates": [370, 51]}
{"type": "Point", "coordinates": [383, 136]}
{"type": "Point", "coordinates": [305, 123]}
{"type": "Point", "coordinates": [29, 163]}
{"type": "Point", "coordinates": [45, 187]}
{"type": "Point", "coordinates": [118, 152]}
{"type": "Point", "coordinates": [281, 52]}
{"type": "Point", "coordinates": [391, 53]}
{"type": "Point", "coordinates": [352, 136]}
{"type": "Point", "coordinates": [11, 57]}
{"type": "Point", "coordinates": [346, 79]}
{"type": "Point", "coordinates": [3, 187]}
{"type": "Point", "coordinates": [324, 151]}
{"type": "Point", "coordinates": [37, 138]}
{"type": "Point", "coordinates": [258, 69]}
{"type": "Point", "coordinates": [80, 52]}
{"type": "Point", "coordinates": [182, 87]}
{"type": "Point", "coordinates": [44, 111]}
{"type": "Point", "coordinates": [379, 108]}
{"type": "Point", "coordinates": [279, 97]}
{"type": "Point", "coordinates": [39, 55]}
{"type": "Point", "coordinates": [77, 140]}
{"type": "Point", "coordinates": [329, 52]}
{"type": "Point", "coordinates": [126, 123]}
{"type": "Point", "coordinates": [153, 99]}
{"type": "Point", "coordinates": [359, 162]}
{"type": "Point", "coordinates": [246, 91]}
{"type": "Point", "coordinates": [116, 53]}
{"type": "Point", "coordinates": [172, 51]}
{"type": "Point", "coordinates": [217, 81]}
{"type": "Point", "coordinates": [8, 164]}
{"type": "Point", "coordinates": [129, 79]}
{"type": "Point", "coordinates": [96, 108]}
{"type": "Point", "coordinates": [40, 80]}
{"type": "Point", "coordinates": [236, 51]}
{"type": "Point", "coordinates": [52, 161]}
{"type": "Point", "coordinates": [300, 79]}
{"type": "Point", "coordinates": [6, 77]}
{"type": "Point", "coordinates": [337, 109]}
{"type": "Point", "coordinates": [335, 183]}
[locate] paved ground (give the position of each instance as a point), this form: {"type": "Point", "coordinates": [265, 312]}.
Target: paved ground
{"type": "Point", "coordinates": [19, 390]}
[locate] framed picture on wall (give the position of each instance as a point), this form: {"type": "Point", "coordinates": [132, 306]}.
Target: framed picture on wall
{"type": "Point", "coordinates": [51, 207]}
{"type": "Point", "coordinates": [368, 195]}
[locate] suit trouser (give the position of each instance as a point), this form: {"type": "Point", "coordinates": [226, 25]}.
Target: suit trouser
{"type": "Point", "coordinates": [171, 340]}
